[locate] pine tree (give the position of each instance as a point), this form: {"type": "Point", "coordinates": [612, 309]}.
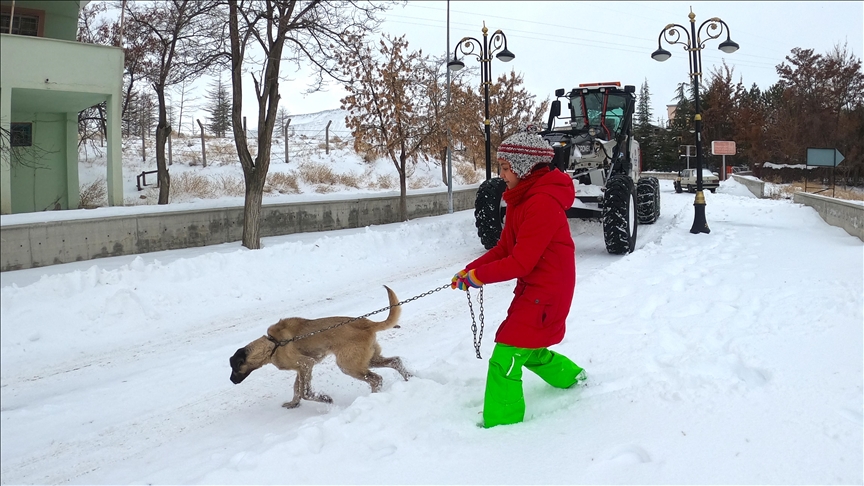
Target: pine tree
{"type": "Point", "coordinates": [643, 107]}
{"type": "Point", "coordinates": [643, 130]}
{"type": "Point", "coordinates": [219, 108]}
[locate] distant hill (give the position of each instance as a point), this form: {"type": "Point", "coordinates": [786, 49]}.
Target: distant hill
{"type": "Point", "coordinates": [313, 124]}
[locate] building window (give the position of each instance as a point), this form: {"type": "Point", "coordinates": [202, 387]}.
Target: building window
{"type": "Point", "coordinates": [21, 135]}
{"type": "Point", "coordinates": [26, 22]}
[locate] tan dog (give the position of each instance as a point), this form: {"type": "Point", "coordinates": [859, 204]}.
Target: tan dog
{"type": "Point", "coordinates": [354, 344]}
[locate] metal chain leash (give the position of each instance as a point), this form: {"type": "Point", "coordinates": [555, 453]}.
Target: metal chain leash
{"type": "Point", "coordinates": [477, 339]}
{"type": "Point", "coordinates": [304, 336]}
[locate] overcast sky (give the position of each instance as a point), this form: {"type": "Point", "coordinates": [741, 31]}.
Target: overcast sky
{"type": "Point", "coordinates": [561, 44]}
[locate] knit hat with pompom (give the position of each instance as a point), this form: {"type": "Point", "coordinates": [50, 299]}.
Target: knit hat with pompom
{"type": "Point", "coordinates": [525, 149]}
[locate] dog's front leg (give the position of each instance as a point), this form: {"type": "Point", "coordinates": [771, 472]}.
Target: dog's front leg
{"type": "Point", "coordinates": [295, 402]}
{"type": "Point", "coordinates": [303, 385]}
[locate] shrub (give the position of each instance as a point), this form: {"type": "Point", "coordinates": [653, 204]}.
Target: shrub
{"type": "Point", "coordinates": [420, 182]}
{"type": "Point", "coordinates": [92, 195]}
{"type": "Point", "coordinates": [283, 182]}
{"type": "Point", "coordinates": [465, 173]}
{"type": "Point", "coordinates": [315, 173]}
{"type": "Point", "coordinates": [192, 185]}
{"type": "Point", "coordinates": [231, 185]}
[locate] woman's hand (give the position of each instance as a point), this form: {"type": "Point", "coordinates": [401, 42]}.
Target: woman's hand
{"type": "Point", "coordinates": [465, 279]}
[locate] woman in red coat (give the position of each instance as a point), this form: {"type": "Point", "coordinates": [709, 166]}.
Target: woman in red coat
{"type": "Point", "coordinates": [537, 250]}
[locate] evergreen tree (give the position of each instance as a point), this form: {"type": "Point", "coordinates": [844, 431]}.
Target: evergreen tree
{"type": "Point", "coordinates": [643, 108]}
{"type": "Point", "coordinates": [219, 107]}
{"type": "Point", "coordinates": [643, 130]}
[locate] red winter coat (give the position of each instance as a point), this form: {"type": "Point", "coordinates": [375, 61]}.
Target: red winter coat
{"type": "Point", "coordinates": [537, 250]}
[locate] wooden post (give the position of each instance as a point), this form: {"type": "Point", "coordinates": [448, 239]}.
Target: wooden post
{"type": "Point", "coordinates": [244, 128]}
{"type": "Point", "coordinates": [327, 137]}
{"type": "Point", "coordinates": [203, 148]}
{"type": "Point", "coordinates": [285, 137]}
{"type": "Point", "coordinates": [170, 157]}
{"type": "Point", "coordinates": [143, 143]}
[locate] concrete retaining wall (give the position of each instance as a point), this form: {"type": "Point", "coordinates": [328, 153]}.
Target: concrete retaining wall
{"type": "Point", "coordinates": [40, 244]}
{"type": "Point", "coordinates": [757, 187]}
{"type": "Point", "coordinates": [836, 212]}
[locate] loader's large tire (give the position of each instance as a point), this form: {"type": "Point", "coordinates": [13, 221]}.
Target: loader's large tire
{"type": "Point", "coordinates": [489, 212]}
{"type": "Point", "coordinates": [619, 215]}
{"type": "Point", "coordinates": [648, 200]}
{"type": "Point", "coordinates": [656, 183]}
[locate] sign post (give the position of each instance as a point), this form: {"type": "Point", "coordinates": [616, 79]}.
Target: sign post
{"type": "Point", "coordinates": [687, 155]}
{"type": "Point", "coordinates": [823, 157]}
{"type": "Point", "coordinates": [723, 148]}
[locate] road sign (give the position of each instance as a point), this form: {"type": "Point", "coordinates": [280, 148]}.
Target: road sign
{"type": "Point", "coordinates": [824, 157]}
{"type": "Point", "coordinates": [722, 148]}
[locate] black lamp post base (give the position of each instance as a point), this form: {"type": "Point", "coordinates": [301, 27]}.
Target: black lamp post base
{"type": "Point", "coordinates": [700, 224]}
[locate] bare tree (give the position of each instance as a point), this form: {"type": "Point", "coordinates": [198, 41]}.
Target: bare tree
{"type": "Point", "coordinates": [389, 103]}
{"type": "Point", "coordinates": [312, 31]}
{"type": "Point", "coordinates": [189, 36]}
{"type": "Point", "coordinates": [187, 102]}
{"type": "Point", "coordinates": [436, 75]}
{"type": "Point", "coordinates": [511, 106]}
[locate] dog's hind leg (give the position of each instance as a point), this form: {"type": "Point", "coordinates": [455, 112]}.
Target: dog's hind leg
{"type": "Point", "coordinates": [373, 379]}
{"type": "Point", "coordinates": [395, 362]}
{"type": "Point", "coordinates": [303, 385]}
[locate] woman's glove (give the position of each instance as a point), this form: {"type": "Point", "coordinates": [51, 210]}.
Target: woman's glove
{"type": "Point", "coordinates": [465, 280]}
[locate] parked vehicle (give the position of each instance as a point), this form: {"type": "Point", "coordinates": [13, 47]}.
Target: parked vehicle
{"type": "Point", "coordinates": [687, 180]}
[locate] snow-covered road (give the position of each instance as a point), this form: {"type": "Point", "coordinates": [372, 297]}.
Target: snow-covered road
{"type": "Point", "coordinates": [734, 357]}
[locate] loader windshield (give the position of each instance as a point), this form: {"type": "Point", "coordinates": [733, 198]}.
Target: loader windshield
{"type": "Point", "coordinates": [604, 111]}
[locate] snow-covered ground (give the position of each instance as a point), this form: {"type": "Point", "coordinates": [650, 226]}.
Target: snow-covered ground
{"type": "Point", "coordinates": [729, 358]}
{"type": "Point", "coordinates": [312, 169]}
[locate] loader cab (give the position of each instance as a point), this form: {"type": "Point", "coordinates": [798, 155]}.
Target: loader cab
{"type": "Point", "coordinates": [597, 125]}
{"type": "Point", "coordinates": [596, 108]}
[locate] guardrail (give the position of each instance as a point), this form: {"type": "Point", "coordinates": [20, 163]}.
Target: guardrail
{"type": "Point", "coordinates": [141, 179]}
{"type": "Point", "coordinates": [49, 243]}
{"type": "Point", "coordinates": [836, 212]}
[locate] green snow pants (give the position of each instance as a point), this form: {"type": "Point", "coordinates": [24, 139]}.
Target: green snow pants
{"type": "Point", "coordinates": [504, 402]}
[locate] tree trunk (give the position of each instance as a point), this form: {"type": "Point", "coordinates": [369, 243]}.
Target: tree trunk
{"type": "Point", "coordinates": [444, 165]}
{"type": "Point", "coordinates": [252, 210]}
{"type": "Point", "coordinates": [403, 191]}
{"type": "Point", "coordinates": [163, 131]}
{"type": "Point", "coordinates": [203, 147]}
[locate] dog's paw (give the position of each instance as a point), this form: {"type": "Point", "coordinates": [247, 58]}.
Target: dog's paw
{"type": "Point", "coordinates": [291, 404]}
{"type": "Point", "coordinates": [318, 397]}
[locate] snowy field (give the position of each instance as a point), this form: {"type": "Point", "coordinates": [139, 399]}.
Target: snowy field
{"type": "Point", "coordinates": [311, 170]}
{"type": "Point", "coordinates": [729, 358]}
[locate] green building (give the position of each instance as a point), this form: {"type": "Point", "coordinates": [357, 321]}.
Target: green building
{"type": "Point", "coordinates": [46, 79]}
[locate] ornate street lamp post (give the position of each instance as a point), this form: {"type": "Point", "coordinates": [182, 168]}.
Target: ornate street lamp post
{"type": "Point", "coordinates": [489, 46]}
{"type": "Point", "coordinates": [694, 43]}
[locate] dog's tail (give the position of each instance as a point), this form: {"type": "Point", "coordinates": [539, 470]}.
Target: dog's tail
{"type": "Point", "coordinates": [393, 318]}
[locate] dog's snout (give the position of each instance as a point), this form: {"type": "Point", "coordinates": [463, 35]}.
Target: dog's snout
{"type": "Point", "coordinates": [236, 362]}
